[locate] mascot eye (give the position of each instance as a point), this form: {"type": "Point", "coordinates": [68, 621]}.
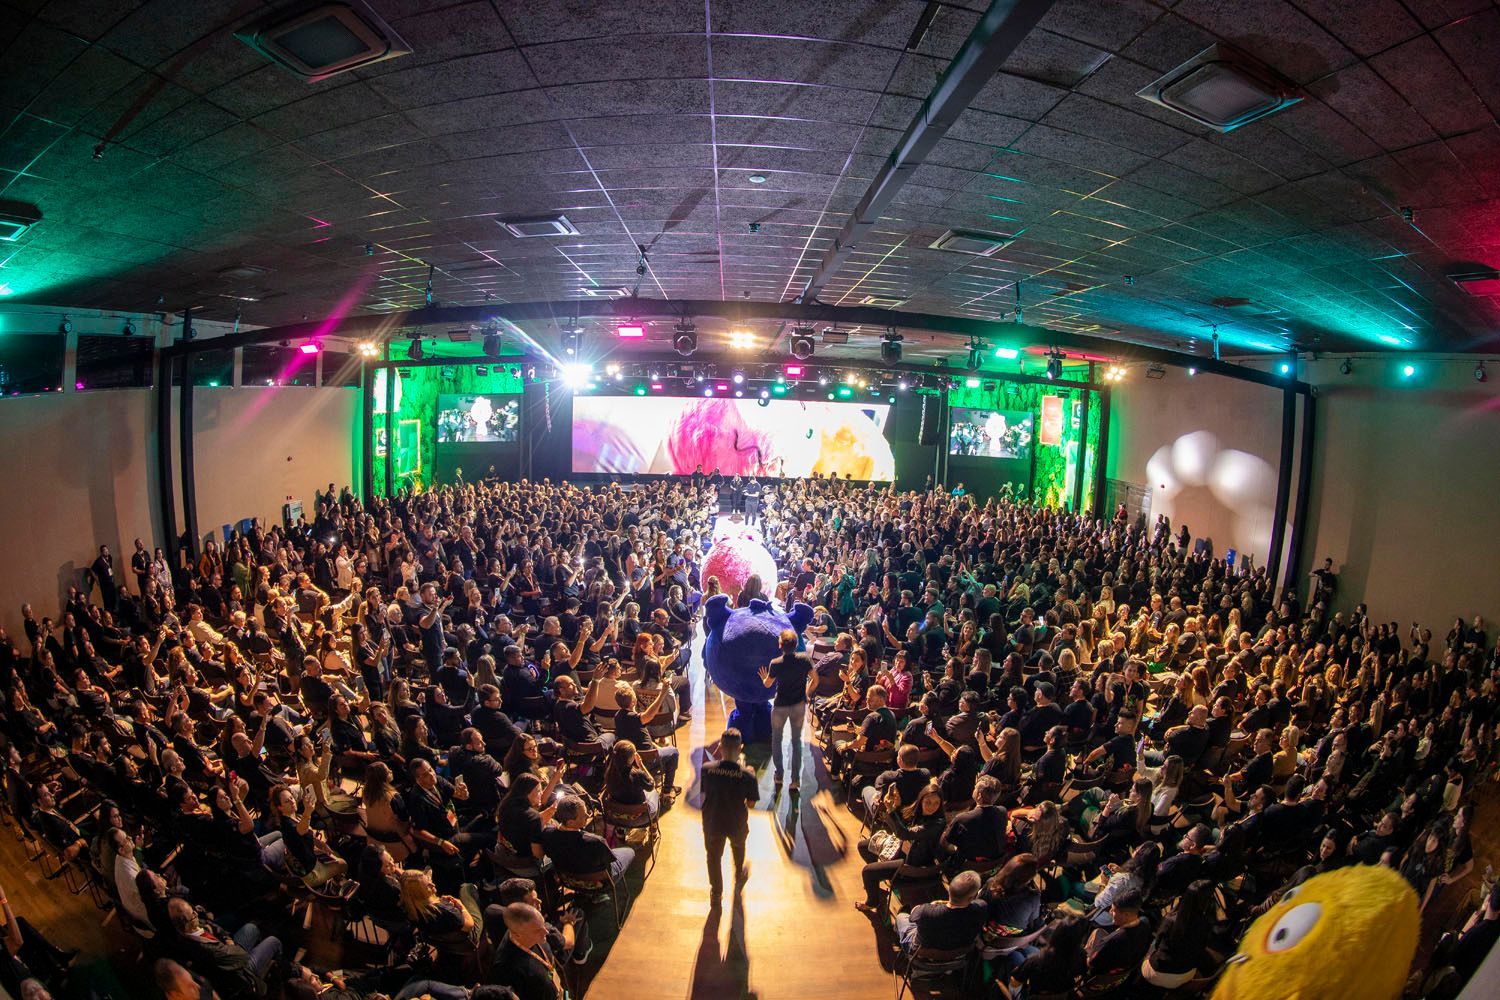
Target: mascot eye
{"type": "Point", "coordinates": [1294, 925]}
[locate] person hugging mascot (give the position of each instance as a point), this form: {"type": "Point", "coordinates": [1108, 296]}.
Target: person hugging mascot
{"type": "Point", "coordinates": [736, 644]}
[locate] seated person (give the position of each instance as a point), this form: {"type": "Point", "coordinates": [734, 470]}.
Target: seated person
{"type": "Point", "coordinates": [235, 964]}
{"type": "Point", "coordinates": [947, 925]}
{"type": "Point", "coordinates": [575, 851]}
{"type": "Point", "coordinates": [908, 779]}
{"type": "Point", "coordinates": [630, 726]}
{"type": "Point", "coordinates": [1123, 944]}
{"type": "Point", "coordinates": [524, 959]}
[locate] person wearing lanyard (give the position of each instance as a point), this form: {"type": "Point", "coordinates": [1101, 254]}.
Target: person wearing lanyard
{"type": "Point", "coordinates": [523, 960]}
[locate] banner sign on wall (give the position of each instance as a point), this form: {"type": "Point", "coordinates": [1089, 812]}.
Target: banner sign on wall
{"type": "Point", "coordinates": [1052, 420]}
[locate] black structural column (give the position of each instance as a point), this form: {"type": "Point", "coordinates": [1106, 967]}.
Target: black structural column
{"type": "Point", "coordinates": [390, 427]}
{"type": "Point", "coordinates": [1304, 490]}
{"type": "Point", "coordinates": [1283, 483]}
{"type": "Point", "coordinates": [165, 488]}
{"type": "Point", "coordinates": [1083, 447]}
{"type": "Point", "coordinates": [367, 431]}
{"type": "Point", "coordinates": [185, 450]}
{"type": "Point", "coordinates": [1101, 456]}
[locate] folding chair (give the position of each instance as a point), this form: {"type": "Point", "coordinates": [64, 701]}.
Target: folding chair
{"type": "Point", "coordinates": [623, 816]}
{"type": "Point", "coordinates": [935, 965]}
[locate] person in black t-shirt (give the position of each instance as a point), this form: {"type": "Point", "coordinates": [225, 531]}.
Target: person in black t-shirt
{"type": "Point", "coordinates": [791, 673]}
{"type": "Point", "coordinates": [574, 850]}
{"type": "Point", "coordinates": [1123, 945]}
{"type": "Point", "coordinates": [729, 790]}
{"type": "Point", "coordinates": [946, 925]}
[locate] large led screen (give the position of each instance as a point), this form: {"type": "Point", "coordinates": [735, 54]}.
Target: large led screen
{"type": "Point", "coordinates": [990, 433]}
{"type": "Point", "coordinates": [664, 435]}
{"type": "Point", "coordinates": [477, 418]}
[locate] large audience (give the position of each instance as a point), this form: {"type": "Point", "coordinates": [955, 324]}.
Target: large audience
{"type": "Point", "coordinates": [440, 728]}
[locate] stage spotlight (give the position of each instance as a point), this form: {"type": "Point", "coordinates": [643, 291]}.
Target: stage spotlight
{"type": "Point", "coordinates": [129, 330]}
{"type": "Point", "coordinates": [972, 362]}
{"type": "Point", "coordinates": [1346, 367]}
{"type": "Point", "coordinates": [639, 390]}
{"type": "Point", "coordinates": [902, 385]}
{"type": "Point", "coordinates": [822, 379]}
{"type": "Point", "coordinates": [414, 350]}
{"type": "Point", "coordinates": [684, 339]}
{"type": "Point", "coordinates": [890, 348]}
{"type": "Point", "coordinates": [1192, 372]}
{"type": "Point", "coordinates": [491, 341]}
{"type": "Point", "coordinates": [1054, 365]}
{"type": "Point", "coordinates": [309, 347]}
{"type": "Point", "coordinates": [369, 349]}
{"type": "Point", "coordinates": [844, 392]}
{"type": "Point", "coordinates": [739, 394]}
{"type": "Point", "coordinates": [631, 331]}
{"type": "Point", "coordinates": [481, 370]}
{"type": "Point", "coordinates": [572, 340]}
{"type": "Point", "coordinates": [576, 376]}
{"type": "Point", "coordinates": [763, 401]}
{"type": "Point", "coordinates": [742, 340]}
{"type": "Point", "coordinates": [793, 371]}
{"type": "Point", "coordinates": [802, 343]}
{"type": "Point", "coordinates": [971, 383]}
{"type": "Point", "coordinates": [1285, 368]}
{"type": "Point", "coordinates": [1008, 353]}
{"type": "Point", "coordinates": [779, 388]}
{"type": "Point", "coordinates": [1407, 371]}
{"type": "Point", "coordinates": [709, 391]}
{"type": "Point", "coordinates": [739, 378]}
{"type": "Point", "coordinates": [1480, 375]}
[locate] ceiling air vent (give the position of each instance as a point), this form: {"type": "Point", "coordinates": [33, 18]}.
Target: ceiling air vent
{"type": "Point", "coordinates": [16, 217]}
{"type": "Point", "coordinates": [610, 292]}
{"type": "Point", "coordinates": [1481, 281]}
{"type": "Point", "coordinates": [539, 225]}
{"type": "Point", "coordinates": [965, 241]}
{"type": "Point", "coordinates": [882, 301]}
{"type": "Point", "coordinates": [316, 40]}
{"type": "Point", "coordinates": [242, 272]}
{"type": "Point", "coordinates": [1222, 88]}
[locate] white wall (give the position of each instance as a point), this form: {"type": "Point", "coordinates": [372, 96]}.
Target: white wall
{"type": "Point", "coordinates": [1407, 495]}
{"type": "Point", "coordinates": [255, 447]}
{"type": "Point", "coordinates": [1207, 448]}
{"type": "Point", "coordinates": [80, 467]}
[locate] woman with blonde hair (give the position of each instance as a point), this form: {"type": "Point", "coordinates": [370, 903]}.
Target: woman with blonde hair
{"type": "Point", "coordinates": [1284, 761]}
{"type": "Point", "coordinates": [435, 915]}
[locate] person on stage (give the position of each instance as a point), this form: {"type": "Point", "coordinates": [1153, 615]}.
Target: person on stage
{"type": "Point", "coordinates": [729, 790]}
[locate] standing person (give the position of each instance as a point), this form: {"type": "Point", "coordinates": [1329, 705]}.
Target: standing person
{"type": "Point", "coordinates": [792, 673]}
{"type": "Point", "coordinates": [104, 575]}
{"type": "Point", "coordinates": [729, 789]}
{"type": "Point", "coordinates": [140, 565]}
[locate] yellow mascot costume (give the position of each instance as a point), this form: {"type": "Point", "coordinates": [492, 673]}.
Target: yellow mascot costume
{"type": "Point", "coordinates": [1350, 933]}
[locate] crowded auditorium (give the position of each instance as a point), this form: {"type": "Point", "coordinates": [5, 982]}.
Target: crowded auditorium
{"type": "Point", "coordinates": [715, 500]}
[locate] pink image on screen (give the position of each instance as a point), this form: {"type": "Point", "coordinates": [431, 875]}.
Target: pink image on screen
{"type": "Point", "coordinates": [713, 433]}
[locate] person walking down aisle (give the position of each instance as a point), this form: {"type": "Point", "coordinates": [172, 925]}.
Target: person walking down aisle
{"type": "Point", "coordinates": [792, 673]}
{"type": "Point", "coordinates": [729, 790]}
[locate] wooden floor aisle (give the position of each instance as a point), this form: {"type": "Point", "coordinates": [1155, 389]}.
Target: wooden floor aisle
{"type": "Point", "coordinates": [793, 934]}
